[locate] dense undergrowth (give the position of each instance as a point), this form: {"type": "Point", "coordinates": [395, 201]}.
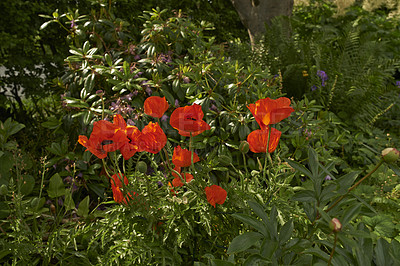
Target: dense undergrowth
{"type": "Point", "coordinates": [298, 205]}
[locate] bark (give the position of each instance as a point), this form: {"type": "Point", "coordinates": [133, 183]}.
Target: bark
{"type": "Point", "coordinates": [254, 14]}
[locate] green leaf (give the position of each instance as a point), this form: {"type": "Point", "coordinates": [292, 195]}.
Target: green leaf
{"type": "Point", "coordinates": [69, 203]}
{"type": "Point", "coordinates": [253, 222]}
{"type": "Point", "coordinates": [350, 213]}
{"type": "Point", "coordinates": [244, 241]}
{"type": "Point", "coordinates": [304, 196]}
{"type": "Point", "coordinates": [381, 249]}
{"type": "Point", "coordinates": [268, 248]}
{"type": "Point", "coordinates": [313, 163]}
{"type": "Point", "coordinates": [346, 181]}
{"type": "Point", "coordinates": [258, 210]}
{"type": "Point", "coordinates": [108, 59]}
{"type": "Point", "coordinates": [83, 209]}
{"type": "Point", "coordinates": [286, 232]}
{"type": "Point", "coordinates": [218, 262]}
{"type": "Point", "coordinates": [56, 187]}
{"type": "Point", "coordinates": [28, 182]}
{"type": "Point", "coordinates": [317, 252]}
{"type": "Point", "coordinates": [299, 167]}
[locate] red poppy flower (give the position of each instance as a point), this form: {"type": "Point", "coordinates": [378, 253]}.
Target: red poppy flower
{"type": "Point", "coordinates": [101, 140]}
{"type": "Point", "coordinates": [125, 137]}
{"type": "Point", "coordinates": [258, 140]}
{"type": "Point", "coordinates": [188, 120]}
{"type": "Point", "coordinates": [94, 145]}
{"type": "Point", "coordinates": [215, 194]}
{"type": "Point", "coordinates": [178, 169]}
{"type": "Point", "coordinates": [155, 106]}
{"type": "Point", "coordinates": [116, 185]}
{"type": "Point", "coordinates": [153, 138]}
{"type": "Point", "coordinates": [182, 157]}
{"type": "Point", "coordinates": [268, 111]}
{"type": "Point", "coordinates": [177, 181]}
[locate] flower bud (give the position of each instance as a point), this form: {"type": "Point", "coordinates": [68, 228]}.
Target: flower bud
{"type": "Point", "coordinates": [244, 146]}
{"type": "Point", "coordinates": [141, 167]}
{"type": "Point", "coordinates": [3, 190]}
{"type": "Point", "coordinates": [224, 160]}
{"type": "Point", "coordinates": [335, 225]}
{"type": "Point", "coordinates": [390, 155]}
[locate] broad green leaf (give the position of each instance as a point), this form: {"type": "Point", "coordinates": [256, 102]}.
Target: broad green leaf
{"type": "Point", "coordinates": [258, 210]}
{"type": "Point", "coordinates": [299, 168]}
{"type": "Point", "coordinates": [83, 209]}
{"type": "Point", "coordinates": [56, 187]}
{"type": "Point", "coordinates": [286, 232]}
{"type": "Point", "coordinates": [28, 182]}
{"type": "Point", "coordinates": [268, 248]}
{"type": "Point", "coordinates": [244, 241]}
{"type": "Point", "coordinates": [253, 222]}
{"type": "Point", "coordinates": [255, 259]}
{"type": "Point", "coordinates": [381, 252]}
{"type": "Point", "coordinates": [346, 181]}
{"type": "Point", "coordinates": [350, 213]}
{"type": "Point", "coordinates": [304, 196]}
{"type": "Point", "coordinates": [217, 262]}
{"type": "Point", "coordinates": [69, 203]}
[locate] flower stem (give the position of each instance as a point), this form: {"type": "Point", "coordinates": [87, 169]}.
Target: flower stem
{"type": "Point", "coordinates": [355, 185]}
{"type": "Point", "coordinates": [267, 152]}
{"type": "Point", "coordinates": [333, 250]}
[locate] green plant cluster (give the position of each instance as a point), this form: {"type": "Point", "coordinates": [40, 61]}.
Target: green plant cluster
{"type": "Point", "coordinates": [302, 205]}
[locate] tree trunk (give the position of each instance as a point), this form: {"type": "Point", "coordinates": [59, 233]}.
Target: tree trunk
{"type": "Point", "coordinates": [254, 14]}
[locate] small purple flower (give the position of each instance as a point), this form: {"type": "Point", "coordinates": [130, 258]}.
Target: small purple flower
{"type": "Point", "coordinates": [130, 122]}
{"type": "Point", "coordinates": [186, 80]}
{"type": "Point", "coordinates": [398, 84]}
{"type": "Point", "coordinates": [149, 91]}
{"type": "Point", "coordinates": [328, 177]}
{"type": "Point", "coordinates": [313, 88]}
{"type": "Point", "coordinates": [323, 76]}
{"type": "Point", "coordinates": [214, 108]}
{"type": "Point", "coordinates": [164, 118]}
{"type": "Point", "coordinates": [73, 24]}
{"type": "Point", "coordinates": [176, 103]}
{"type": "Point", "coordinates": [160, 184]}
{"type": "Point", "coordinates": [127, 97]}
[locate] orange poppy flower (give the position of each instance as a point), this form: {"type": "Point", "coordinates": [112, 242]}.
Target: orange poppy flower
{"type": "Point", "coordinates": [182, 157]}
{"type": "Point", "coordinates": [178, 169]}
{"type": "Point", "coordinates": [215, 194]}
{"type": "Point", "coordinates": [125, 137]}
{"type": "Point", "coordinates": [268, 111]}
{"type": "Point", "coordinates": [94, 145]}
{"type": "Point", "coordinates": [188, 120]}
{"type": "Point", "coordinates": [177, 182]}
{"type": "Point", "coordinates": [153, 138]}
{"type": "Point", "coordinates": [258, 140]}
{"type": "Point", "coordinates": [116, 185]}
{"type": "Point", "coordinates": [155, 106]}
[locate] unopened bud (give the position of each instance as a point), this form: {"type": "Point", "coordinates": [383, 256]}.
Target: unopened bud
{"type": "Point", "coordinates": [141, 167]}
{"type": "Point", "coordinates": [224, 160]}
{"type": "Point", "coordinates": [390, 155]}
{"type": "Point", "coordinates": [244, 146]}
{"type": "Point", "coordinates": [335, 225]}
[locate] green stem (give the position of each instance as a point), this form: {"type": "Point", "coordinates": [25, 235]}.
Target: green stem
{"type": "Point", "coordinates": [333, 250]}
{"type": "Point", "coordinates": [355, 185]}
{"type": "Point", "coordinates": [267, 152]}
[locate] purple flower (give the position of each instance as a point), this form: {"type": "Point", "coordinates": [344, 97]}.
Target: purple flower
{"type": "Point", "coordinates": [323, 76]}
{"type": "Point", "coordinates": [164, 118]}
{"type": "Point", "coordinates": [149, 91]}
{"type": "Point", "coordinates": [73, 24]}
{"type": "Point", "coordinates": [186, 80]}
{"type": "Point", "coordinates": [130, 122]}
{"type": "Point", "coordinates": [328, 177]}
{"type": "Point", "coordinates": [176, 103]}
{"type": "Point", "coordinates": [160, 184]}
{"type": "Point", "coordinates": [398, 84]}
{"type": "Point", "coordinates": [313, 88]}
